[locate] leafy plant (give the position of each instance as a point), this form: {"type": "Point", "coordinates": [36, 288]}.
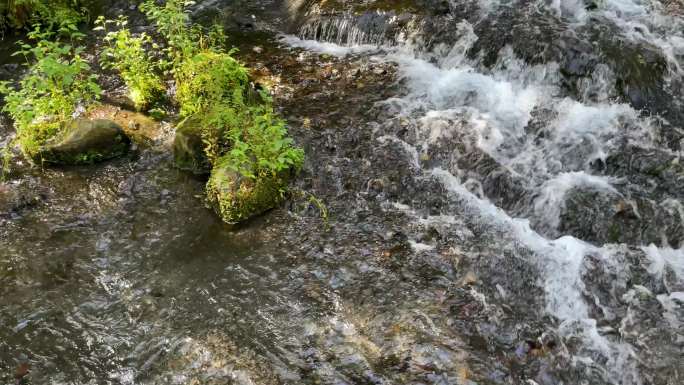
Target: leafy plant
{"type": "Point", "coordinates": [322, 208]}
{"type": "Point", "coordinates": [6, 160]}
{"type": "Point", "coordinates": [208, 78]}
{"type": "Point", "coordinates": [258, 141]}
{"type": "Point", "coordinates": [50, 13]}
{"type": "Point", "coordinates": [184, 39]}
{"type": "Point", "coordinates": [128, 56]}
{"type": "Point", "coordinates": [241, 134]}
{"type": "Point", "coordinates": [58, 80]}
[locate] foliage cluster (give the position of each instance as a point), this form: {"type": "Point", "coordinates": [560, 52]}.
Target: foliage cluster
{"type": "Point", "coordinates": [247, 137]}
{"type": "Point", "coordinates": [209, 78]}
{"type": "Point", "coordinates": [57, 81]}
{"type": "Point", "coordinates": [184, 39]}
{"type": "Point", "coordinates": [127, 54]}
{"type": "Point", "coordinates": [238, 129]}
{"type": "Point", "coordinates": [49, 13]}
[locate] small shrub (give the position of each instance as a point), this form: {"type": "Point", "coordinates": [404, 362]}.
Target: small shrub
{"type": "Point", "coordinates": [184, 39]}
{"type": "Point", "coordinates": [127, 55]}
{"type": "Point", "coordinates": [262, 144]}
{"type": "Point", "coordinates": [256, 138]}
{"type": "Point", "coordinates": [49, 13]}
{"type": "Point", "coordinates": [58, 80]}
{"type": "Point", "coordinates": [208, 78]}
{"type": "Point", "coordinates": [244, 140]}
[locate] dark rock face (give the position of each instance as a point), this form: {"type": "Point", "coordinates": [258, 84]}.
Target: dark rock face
{"type": "Point", "coordinates": [600, 217]}
{"type": "Point", "coordinates": [657, 171]}
{"type": "Point", "coordinates": [188, 148]}
{"type": "Point", "coordinates": [85, 142]}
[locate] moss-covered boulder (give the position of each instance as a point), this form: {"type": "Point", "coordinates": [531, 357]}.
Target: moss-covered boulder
{"type": "Point", "coordinates": [84, 141]}
{"type": "Point", "coordinates": [237, 198]}
{"type": "Point", "coordinates": [188, 147]}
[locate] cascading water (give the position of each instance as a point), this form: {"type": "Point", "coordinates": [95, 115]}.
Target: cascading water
{"type": "Point", "coordinates": [547, 155]}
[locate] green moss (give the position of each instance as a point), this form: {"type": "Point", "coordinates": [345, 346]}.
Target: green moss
{"type": "Point", "coordinates": [237, 198]}
{"type": "Point", "coordinates": [32, 137]}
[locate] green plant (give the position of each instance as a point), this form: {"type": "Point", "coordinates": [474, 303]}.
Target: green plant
{"type": "Point", "coordinates": [245, 142]}
{"type": "Point", "coordinates": [184, 39]}
{"type": "Point", "coordinates": [209, 78]}
{"type": "Point", "coordinates": [127, 55]}
{"type": "Point", "coordinates": [322, 208]}
{"type": "Point", "coordinates": [257, 140]}
{"type": "Point", "coordinates": [50, 13]}
{"type": "Point", "coordinates": [57, 81]}
{"type": "Point", "coordinates": [6, 155]}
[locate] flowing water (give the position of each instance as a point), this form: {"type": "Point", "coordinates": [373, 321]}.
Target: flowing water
{"type": "Point", "coordinates": [504, 189]}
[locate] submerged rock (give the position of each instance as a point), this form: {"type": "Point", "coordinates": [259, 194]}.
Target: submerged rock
{"type": "Point", "coordinates": [85, 142]}
{"type": "Point", "coordinates": [15, 197]}
{"type": "Point", "coordinates": [600, 217]}
{"type": "Point", "coordinates": [237, 198]}
{"type": "Point", "coordinates": [188, 148]}
{"type": "Point", "coordinates": [140, 128]}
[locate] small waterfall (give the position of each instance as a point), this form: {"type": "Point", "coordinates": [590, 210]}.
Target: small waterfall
{"type": "Point", "coordinates": [346, 30]}
{"type": "Point", "coordinates": [378, 28]}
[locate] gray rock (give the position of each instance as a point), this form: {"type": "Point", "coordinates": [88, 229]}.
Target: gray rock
{"type": "Point", "coordinates": [599, 217]}
{"type": "Point", "coordinates": [85, 142]}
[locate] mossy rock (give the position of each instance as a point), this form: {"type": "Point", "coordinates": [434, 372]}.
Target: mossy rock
{"type": "Point", "coordinates": [140, 128]}
{"type": "Point", "coordinates": [84, 141]}
{"type": "Point", "coordinates": [188, 147]}
{"type": "Point", "coordinates": [237, 198]}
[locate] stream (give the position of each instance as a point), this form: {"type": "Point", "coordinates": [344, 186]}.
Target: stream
{"type": "Point", "coordinates": [502, 195]}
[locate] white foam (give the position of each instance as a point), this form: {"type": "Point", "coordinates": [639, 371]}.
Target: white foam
{"type": "Point", "coordinates": [450, 95]}
{"type": "Point", "coordinates": [327, 48]}
{"type": "Point", "coordinates": [662, 258]}
{"type": "Point", "coordinates": [560, 262]}
{"type": "Point", "coordinates": [551, 200]}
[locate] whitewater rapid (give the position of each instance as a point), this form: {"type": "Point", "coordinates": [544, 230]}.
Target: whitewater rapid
{"type": "Point", "coordinates": [451, 97]}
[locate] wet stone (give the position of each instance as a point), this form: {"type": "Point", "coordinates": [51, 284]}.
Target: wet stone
{"type": "Point", "coordinates": [85, 142]}
{"type": "Point", "coordinates": [601, 217]}
{"type": "Point", "coordinates": [188, 148]}
{"type": "Point", "coordinates": [237, 198]}
{"type": "Point", "coordinates": [15, 197]}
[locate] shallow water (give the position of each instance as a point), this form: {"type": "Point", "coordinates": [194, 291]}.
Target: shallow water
{"type": "Point", "coordinates": [491, 221]}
